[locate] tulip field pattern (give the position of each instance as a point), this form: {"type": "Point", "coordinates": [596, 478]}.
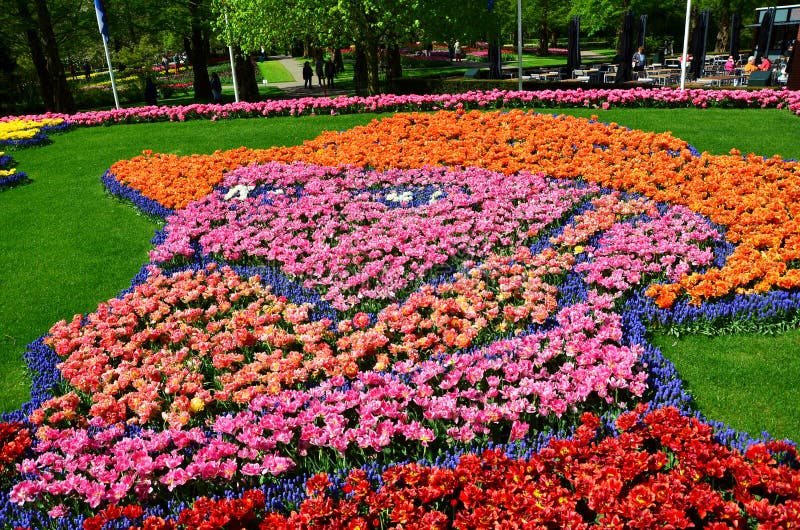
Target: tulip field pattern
{"type": "Point", "coordinates": [312, 337]}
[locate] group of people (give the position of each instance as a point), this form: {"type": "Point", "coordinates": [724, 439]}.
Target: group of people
{"type": "Point", "coordinates": [764, 65]}
{"type": "Point", "coordinates": [326, 72]}
{"type": "Point", "coordinates": [87, 70]}
{"type": "Point", "coordinates": [753, 64]}
{"type": "Point", "coordinates": [165, 61]}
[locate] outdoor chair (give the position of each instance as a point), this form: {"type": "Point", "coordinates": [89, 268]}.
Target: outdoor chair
{"type": "Point", "coordinates": [580, 75]}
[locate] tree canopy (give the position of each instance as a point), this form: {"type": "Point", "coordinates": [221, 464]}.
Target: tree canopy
{"type": "Point", "coordinates": [58, 35]}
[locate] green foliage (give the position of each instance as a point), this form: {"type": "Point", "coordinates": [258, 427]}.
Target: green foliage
{"type": "Point", "coordinates": [102, 97]}
{"type": "Point", "coordinates": [145, 53]}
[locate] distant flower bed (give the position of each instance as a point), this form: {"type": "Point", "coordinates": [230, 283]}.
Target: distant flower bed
{"type": "Point", "coordinates": [179, 86]}
{"type": "Point", "coordinates": [483, 55]}
{"type": "Point", "coordinates": [493, 99]}
{"type": "Point", "coordinates": [23, 132]}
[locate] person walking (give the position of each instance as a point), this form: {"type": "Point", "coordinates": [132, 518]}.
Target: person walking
{"type": "Point", "coordinates": [216, 88]}
{"type": "Point", "coordinates": [150, 92]}
{"type": "Point", "coordinates": [308, 75]}
{"type": "Point", "coordinates": [320, 68]}
{"type": "Point", "coordinates": [330, 72]}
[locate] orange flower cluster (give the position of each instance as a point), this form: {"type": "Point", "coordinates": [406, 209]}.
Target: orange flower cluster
{"type": "Point", "coordinates": [175, 181]}
{"type": "Point", "coordinates": [756, 199]}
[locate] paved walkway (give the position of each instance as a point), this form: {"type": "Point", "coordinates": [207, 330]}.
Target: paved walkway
{"type": "Point", "coordinates": [296, 88]}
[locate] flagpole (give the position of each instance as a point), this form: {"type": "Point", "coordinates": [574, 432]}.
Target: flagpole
{"type": "Point", "coordinates": [519, 42]}
{"type": "Point", "coordinates": [685, 41]}
{"type": "Point", "coordinates": [102, 25]}
{"type": "Point", "coordinates": [111, 74]}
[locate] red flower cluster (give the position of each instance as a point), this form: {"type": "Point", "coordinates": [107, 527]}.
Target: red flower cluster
{"type": "Point", "coordinates": [662, 469]}
{"type": "Point", "coordinates": [206, 514]}
{"type": "Point", "coordinates": [14, 441]}
{"type": "Point", "coordinates": [112, 513]}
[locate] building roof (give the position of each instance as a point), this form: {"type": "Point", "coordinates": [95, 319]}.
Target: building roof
{"type": "Point", "coordinates": [788, 15]}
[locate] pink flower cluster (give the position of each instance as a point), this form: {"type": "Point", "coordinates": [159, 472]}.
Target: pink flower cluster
{"type": "Point", "coordinates": [140, 359]}
{"type": "Point", "coordinates": [606, 211]}
{"type": "Point", "coordinates": [337, 229]}
{"type": "Point", "coordinates": [454, 398]}
{"type": "Point", "coordinates": [605, 98]}
{"type": "Point", "coordinates": [667, 246]}
{"type": "Point", "coordinates": [174, 345]}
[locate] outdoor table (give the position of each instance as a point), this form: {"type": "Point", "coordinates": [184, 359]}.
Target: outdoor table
{"type": "Point", "coordinates": [664, 76]}
{"type": "Point", "coordinates": [595, 75]}
{"type": "Point", "coordinates": [546, 76]}
{"type": "Point", "coordinates": [719, 80]}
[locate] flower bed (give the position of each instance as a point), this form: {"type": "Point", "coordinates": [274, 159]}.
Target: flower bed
{"type": "Point", "coordinates": [9, 176]}
{"type": "Point", "coordinates": [448, 338]}
{"type": "Point", "coordinates": [758, 213]}
{"type": "Point", "coordinates": [22, 132]}
{"type": "Point", "coordinates": [665, 97]}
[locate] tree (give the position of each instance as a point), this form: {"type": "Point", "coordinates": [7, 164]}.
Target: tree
{"type": "Point", "coordinates": [548, 17]}
{"type": "Point", "coordinates": [370, 24]}
{"type": "Point", "coordinates": [44, 49]}
{"type": "Point", "coordinates": [604, 17]}
{"type": "Point", "coordinates": [196, 47]}
{"type": "Point", "coordinates": [721, 11]}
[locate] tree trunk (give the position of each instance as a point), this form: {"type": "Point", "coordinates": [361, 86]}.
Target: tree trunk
{"type": "Point", "coordinates": [495, 70]}
{"type": "Point", "coordinates": [196, 53]}
{"type": "Point", "coordinates": [373, 59]}
{"type": "Point", "coordinates": [360, 70]}
{"type": "Point", "coordinates": [338, 60]}
{"type": "Point", "coordinates": [394, 67]}
{"type": "Point", "coordinates": [544, 38]}
{"type": "Point", "coordinates": [722, 13]}
{"type": "Point", "coordinates": [37, 54]}
{"type": "Point", "coordinates": [62, 97]}
{"type": "Point", "coordinates": [245, 76]}
{"type": "Point", "coordinates": [8, 81]}
{"type": "Point", "coordinates": [723, 35]}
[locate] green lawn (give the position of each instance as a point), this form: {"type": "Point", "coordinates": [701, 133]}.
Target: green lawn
{"type": "Point", "coordinates": [274, 72]}
{"type": "Point", "coordinates": [748, 381]}
{"type": "Point", "coordinates": [66, 245]}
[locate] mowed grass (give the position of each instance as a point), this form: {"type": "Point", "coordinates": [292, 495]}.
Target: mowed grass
{"type": "Point", "coordinates": [748, 381]}
{"type": "Point", "coordinates": [67, 245]}
{"type": "Point", "coordinates": [274, 72]}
